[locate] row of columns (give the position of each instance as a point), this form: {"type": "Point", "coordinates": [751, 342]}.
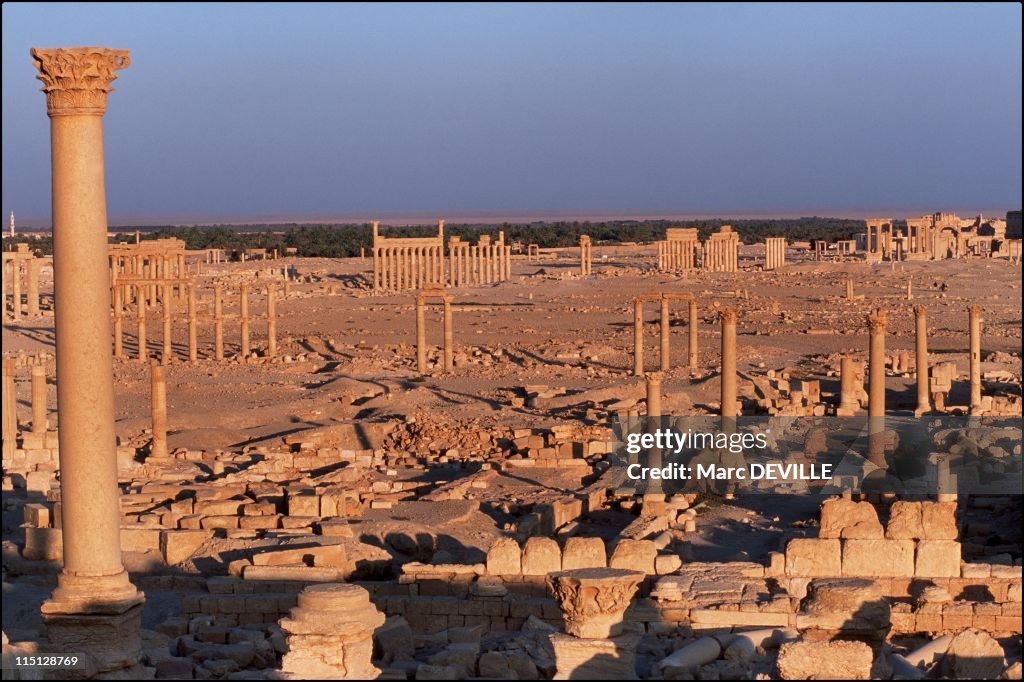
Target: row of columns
{"type": "Point", "coordinates": [721, 254]}
{"type": "Point", "coordinates": [16, 262]}
{"type": "Point", "coordinates": [675, 255]}
{"type": "Point", "coordinates": [665, 330]}
{"type": "Point", "coordinates": [167, 315]}
{"type": "Point", "coordinates": [775, 253]}
{"type": "Point", "coordinates": [156, 260]}
{"type": "Point", "coordinates": [483, 263]}
{"type": "Point", "coordinates": [40, 410]}
{"type": "Point", "coordinates": [397, 268]}
{"type": "Point", "coordinates": [448, 344]}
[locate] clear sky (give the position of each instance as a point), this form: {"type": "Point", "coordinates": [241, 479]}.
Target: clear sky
{"type": "Point", "coordinates": [299, 111]}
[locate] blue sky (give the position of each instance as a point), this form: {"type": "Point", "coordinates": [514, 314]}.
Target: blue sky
{"type": "Point", "coordinates": [298, 111]}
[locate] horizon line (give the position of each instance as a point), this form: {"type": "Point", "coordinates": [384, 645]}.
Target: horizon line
{"type": "Point", "coordinates": [411, 218]}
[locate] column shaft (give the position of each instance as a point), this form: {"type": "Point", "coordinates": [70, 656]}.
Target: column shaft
{"type": "Point", "coordinates": [158, 410]}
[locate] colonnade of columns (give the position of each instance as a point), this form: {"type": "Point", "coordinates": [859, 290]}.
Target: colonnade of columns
{"type": "Point", "coordinates": [775, 252]}
{"type": "Point", "coordinates": [665, 330]}
{"type": "Point", "coordinates": [400, 264]}
{"type": "Point", "coordinates": [121, 294]}
{"type": "Point", "coordinates": [484, 263]}
{"type": "Point", "coordinates": [17, 262]}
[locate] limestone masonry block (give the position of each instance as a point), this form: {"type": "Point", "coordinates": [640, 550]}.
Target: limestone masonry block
{"type": "Point", "coordinates": [503, 558]}
{"type": "Point", "coordinates": [937, 559]}
{"type": "Point", "coordinates": [635, 555]}
{"type": "Point", "coordinates": [922, 521]}
{"type": "Point", "coordinates": [878, 558]}
{"type": "Point", "coordinates": [583, 553]}
{"type": "Point", "coordinates": [813, 558]}
{"type": "Point", "coordinates": [541, 556]}
{"type": "Point", "coordinates": [825, 661]}
{"type": "Point", "coordinates": [848, 519]}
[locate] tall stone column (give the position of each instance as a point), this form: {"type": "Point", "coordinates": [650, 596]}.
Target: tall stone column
{"type": "Point", "coordinates": [653, 486]}
{"type": "Point", "coordinates": [218, 323]}
{"type": "Point", "coordinates": [118, 324]}
{"type": "Point", "coordinates": [271, 321]}
{"type": "Point", "coordinates": [10, 410]}
{"type": "Point", "coordinates": [421, 335]}
{"type": "Point", "coordinates": [38, 399]}
{"type": "Point", "coordinates": [921, 346]}
{"type": "Point", "coordinates": [243, 321]}
{"type": "Point", "coordinates": [974, 313]}
{"type": "Point", "coordinates": [638, 337]}
{"type": "Point", "coordinates": [728, 317]}
{"type": "Point", "coordinates": [692, 331]}
{"type": "Point", "coordinates": [16, 288]}
{"type": "Point", "coordinates": [193, 325]}
{"type": "Point", "coordinates": [449, 343]}
{"type": "Point", "coordinates": [666, 322]}
{"type": "Point", "coordinates": [94, 609]}
{"type": "Point", "coordinates": [33, 286]}
{"type": "Point", "coordinates": [849, 289]}
{"type": "Point", "coordinates": [877, 322]}
{"type": "Point", "coordinates": [166, 309]}
{"type": "Point", "coordinates": [140, 307]}
{"type": "Point", "coordinates": [158, 410]}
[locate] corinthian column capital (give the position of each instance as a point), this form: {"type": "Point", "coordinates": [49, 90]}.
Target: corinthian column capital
{"type": "Point", "coordinates": [76, 80]}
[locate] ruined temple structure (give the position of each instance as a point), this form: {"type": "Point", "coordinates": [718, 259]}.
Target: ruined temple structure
{"type": "Point", "coordinates": [18, 265]}
{"type": "Point", "coordinates": [318, 483]}
{"type": "Point", "coordinates": [403, 263]}
{"type": "Point", "coordinates": [939, 236]}
{"type": "Point", "coordinates": [486, 262]}
{"type": "Point", "coordinates": [680, 250]}
{"type": "Point", "coordinates": [721, 251]}
{"type": "Point", "coordinates": [775, 253]}
{"type": "Point", "coordinates": [153, 261]}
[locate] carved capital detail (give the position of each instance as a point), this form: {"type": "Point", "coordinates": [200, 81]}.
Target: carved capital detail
{"type": "Point", "coordinates": [878, 320]}
{"type": "Point", "coordinates": [728, 315]}
{"type": "Point", "coordinates": [77, 80]}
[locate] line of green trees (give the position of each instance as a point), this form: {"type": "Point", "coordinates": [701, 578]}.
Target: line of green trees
{"type": "Point", "coordinates": [345, 239]}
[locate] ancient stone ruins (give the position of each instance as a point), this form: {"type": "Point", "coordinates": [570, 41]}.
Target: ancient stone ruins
{"type": "Point", "coordinates": [410, 466]}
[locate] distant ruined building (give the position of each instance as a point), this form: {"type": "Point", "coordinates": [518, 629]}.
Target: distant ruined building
{"type": "Point", "coordinates": [942, 235]}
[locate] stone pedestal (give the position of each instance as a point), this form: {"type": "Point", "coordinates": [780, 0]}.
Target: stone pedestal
{"type": "Point", "coordinates": [330, 634]}
{"type": "Point", "coordinates": [845, 608]}
{"type": "Point", "coordinates": [594, 659]}
{"type": "Point", "coordinates": [112, 640]}
{"type": "Point", "coordinates": [594, 600]}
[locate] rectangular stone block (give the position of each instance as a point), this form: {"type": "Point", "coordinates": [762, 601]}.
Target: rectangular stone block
{"type": "Point", "coordinates": [878, 558]}
{"type": "Point", "coordinates": [178, 545]}
{"type": "Point", "coordinates": [503, 558]}
{"type": "Point", "coordinates": [140, 539]}
{"type": "Point", "coordinates": [541, 556]}
{"type": "Point", "coordinates": [814, 558]}
{"type": "Point", "coordinates": [37, 515]}
{"type": "Point", "coordinates": [583, 553]}
{"type": "Point", "coordinates": [937, 559]}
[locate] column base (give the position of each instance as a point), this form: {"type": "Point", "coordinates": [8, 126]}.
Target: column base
{"type": "Point", "coordinates": [594, 659]}
{"type": "Point", "coordinates": [112, 640]}
{"type": "Point", "coordinates": [92, 595]}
